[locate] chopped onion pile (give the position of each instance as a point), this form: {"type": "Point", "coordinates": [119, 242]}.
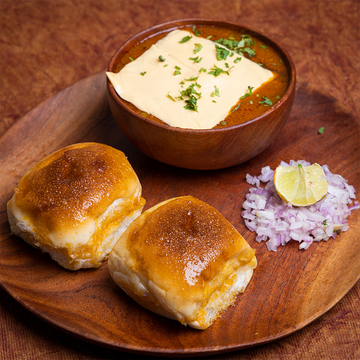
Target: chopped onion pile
{"type": "Point", "coordinates": [278, 222]}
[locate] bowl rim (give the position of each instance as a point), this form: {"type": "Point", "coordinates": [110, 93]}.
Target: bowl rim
{"type": "Point", "coordinates": [166, 27]}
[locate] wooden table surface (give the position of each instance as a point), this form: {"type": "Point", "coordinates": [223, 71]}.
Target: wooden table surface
{"type": "Point", "coordinates": [46, 46]}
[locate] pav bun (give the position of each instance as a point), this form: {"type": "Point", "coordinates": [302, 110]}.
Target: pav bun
{"type": "Point", "coordinates": [75, 203]}
{"type": "Point", "coordinates": [183, 260]}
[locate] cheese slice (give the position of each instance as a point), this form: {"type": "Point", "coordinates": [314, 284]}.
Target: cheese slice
{"type": "Point", "coordinates": [153, 85]}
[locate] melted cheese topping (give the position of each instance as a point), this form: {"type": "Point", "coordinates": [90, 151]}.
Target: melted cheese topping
{"type": "Point", "coordinates": [147, 82]}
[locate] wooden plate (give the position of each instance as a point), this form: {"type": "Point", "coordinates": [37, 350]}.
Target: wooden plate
{"type": "Point", "coordinates": [289, 289]}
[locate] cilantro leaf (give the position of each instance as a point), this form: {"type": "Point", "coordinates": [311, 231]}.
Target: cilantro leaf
{"type": "Point", "coordinates": [193, 78]}
{"type": "Point", "coordinates": [221, 53]}
{"type": "Point", "coordinates": [249, 51]}
{"type": "Point", "coordinates": [248, 93]}
{"type": "Point", "coordinates": [198, 47]}
{"type": "Point", "coordinates": [236, 107]}
{"type": "Point", "coordinates": [195, 31]}
{"type": "Point", "coordinates": [191, 104]}
{"type": "Point", "coordinates": [192, 96]}
{"type": "Point", "coordinates": [196, 59]}
{"type": "Point", "coordinates": [238, 47]}
{"type": "Point", "coordinates": [266, 101]}
{"type": "Point", "coordinates": [216, 71]}
{"type": "Point", "coordinates": [170, 97]}
{"type": "Point", "coordinates": [177, 70]}
{"type": "Point", "coordinates": [216, 92]}
{"type": "Point", "coordinates": [185, 39]}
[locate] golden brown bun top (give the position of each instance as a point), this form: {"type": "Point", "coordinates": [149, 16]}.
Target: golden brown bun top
{"type": "Point", "coordinates": [184, 243]}
{"type": "Point", "coordinates": [73, 183]}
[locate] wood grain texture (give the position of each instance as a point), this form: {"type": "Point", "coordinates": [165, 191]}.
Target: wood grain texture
{"type": "Point", "coordinates": [290, 288]}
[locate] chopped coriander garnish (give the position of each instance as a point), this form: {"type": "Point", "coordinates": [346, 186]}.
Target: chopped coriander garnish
{"type": "Point", "coordinates": [321, 130]}
{"type": "Point", "coordinates": [300, 166]}
{"type": "Point", "coordinates": [196, 59]}
{"type": "Point", "coordinates": [251, 88]}
{"type": "Point", "coordinates": [202, 70]}
{"type": "Point", "coordinates": [250, 101]}
{"type": "Point", "coordinates": [143, 73]}
{"type": "Point", "coordinates": [226, 42]}
{"type": "Point", "coordinates": [264, 46]}
{"type": "Point", "coordinates": [217, 71]}
{"type": "Point", "coordinates": [170, 97]}
{"type": "Point", "coordinates": [214, 101]}
{"type": "Point", "coordinates": [182, 83]}
{"type": "Point", "coordinates": [193, 96]}
{"type": "Point", "coordinates": [221, 53]}
{"type": "Point", "coordinates": [191, 104]}
{"type": "Point", "coordinates": [238, 46]}
{"type": "Point", "coordinates": [177, 70]}
{"type": "Point", "coordinates": [161, 58]}
{"type": "Point", "coordinates": [266, 101]}
{"type": "Point", "coordinates": [216, 92]}
{"type": "Point", "coordinates": [236, 107]}
{"type": "Point", "coordinates": [198, 47]}
{"type": "Point", "coordinates": [249, 51]}
{"type": "Point", "coordinates": [237, 60]}
{"type": "Point", "coordinates": [247, 39]}
{"type": "Point", "coordinates": [324, 222]}
{"type": "Point", "coordinates": [196, 32]}
{"type": "Point", "coordinates": [223, 122]}
{"type": "Point", "coordinates": [131, 59]}
{"type": "Point", "coordinates": [165, 65]}
{"type": "Point", "coordinates": [185, 39]}
{"type": "Point", "coordinates": [209, 37]}
{"type": "Point", "coordinates": [193, 78]}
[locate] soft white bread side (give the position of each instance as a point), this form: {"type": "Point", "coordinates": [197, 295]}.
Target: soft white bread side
{"type": "Point", "coordinates": [183, 260]}
{"type": "Point", "coordinates": [75, 203]}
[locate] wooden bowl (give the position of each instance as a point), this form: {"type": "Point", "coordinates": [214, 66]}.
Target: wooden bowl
{"type": "Point", "coordinates": [200, 149]}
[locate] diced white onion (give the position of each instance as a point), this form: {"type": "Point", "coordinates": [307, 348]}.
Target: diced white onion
{"type": "Point", "coordinates": [278, 222]}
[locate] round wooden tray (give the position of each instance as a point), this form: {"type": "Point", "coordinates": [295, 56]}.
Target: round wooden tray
{"type": "Point", "coordinates": [289, 289]}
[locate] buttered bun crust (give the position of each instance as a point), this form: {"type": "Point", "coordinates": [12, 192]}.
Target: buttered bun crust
{"type": "Point", "coordinates": [74, 203]}
{"type": "Point", "coordinates": [182, 259]}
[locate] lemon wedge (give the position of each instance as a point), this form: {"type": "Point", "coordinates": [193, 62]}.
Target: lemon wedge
{"type": "Point", "coordinates": [300, 185]}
